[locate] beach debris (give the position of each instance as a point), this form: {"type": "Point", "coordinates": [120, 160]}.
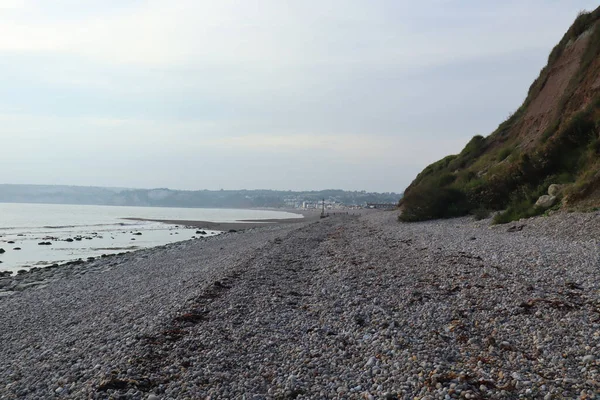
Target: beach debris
{"type": "Point", "coordinates": [515, 228]}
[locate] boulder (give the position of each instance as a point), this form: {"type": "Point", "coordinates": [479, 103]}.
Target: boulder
{"type": "Point", "coordinates": [555, 189]}
{"type": "Point", "coordinates": [2, 250]}
{"type": "Point", "coordinates": [545, 201]}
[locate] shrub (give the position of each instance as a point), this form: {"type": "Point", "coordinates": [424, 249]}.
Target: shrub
{"type": "Point", "coordinates": [430, 202]}
{"type": "Point", "coordinates": [504, 153]}
{"type": "Point", "coordinates": [480, 213]}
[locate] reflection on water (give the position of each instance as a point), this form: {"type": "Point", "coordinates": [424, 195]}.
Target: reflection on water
{"type": "Point", "coordinates": [44, 234]}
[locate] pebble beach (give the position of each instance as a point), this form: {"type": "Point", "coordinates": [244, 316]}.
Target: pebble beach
{"type": "Point", "coordinates": [346, 307]}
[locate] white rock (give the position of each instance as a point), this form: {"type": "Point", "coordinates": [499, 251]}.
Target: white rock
{"type": "Point", "coordinates": [545, 201]}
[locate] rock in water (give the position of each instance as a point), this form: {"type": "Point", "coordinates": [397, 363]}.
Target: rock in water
{"type": "Point", "coordinates": [545, 201]}
{"type": "Point", "coordinates": [2, 251]}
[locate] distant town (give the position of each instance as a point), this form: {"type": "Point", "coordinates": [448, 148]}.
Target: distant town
{"type": "Point", "coordinates": [333, 199]}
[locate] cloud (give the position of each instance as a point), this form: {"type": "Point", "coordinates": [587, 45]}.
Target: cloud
{"type": "Point", "coordinates": [371, 92]}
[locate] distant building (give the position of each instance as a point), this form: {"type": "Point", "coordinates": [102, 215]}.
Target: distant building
{"type": "Point", "coordinates": [382, 206]}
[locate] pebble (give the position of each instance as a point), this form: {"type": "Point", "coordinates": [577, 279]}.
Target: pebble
{"type": "Point", "coordinates": [353, 307]}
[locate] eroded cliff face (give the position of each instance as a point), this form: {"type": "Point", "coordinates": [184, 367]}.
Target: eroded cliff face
{"type": "Point", "coordinates": [551, 138]}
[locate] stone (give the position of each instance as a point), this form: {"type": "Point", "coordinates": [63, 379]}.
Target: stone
{"type": "Point", "coordinates": [2, 250]}
{"type": "Point", "coordinates": [515, 228]}
{"type": "Point", "coordinates": [555, 190]}
{"type": "Point", "coordinates": [17, 248]}
{"type": "Point", "coordinates": [545, 201]}
{"type": "Point", "coordinates": [588, 359]}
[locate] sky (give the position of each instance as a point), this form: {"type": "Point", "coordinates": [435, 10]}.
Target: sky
{"type": "Point", "coordinates": [269, 94]}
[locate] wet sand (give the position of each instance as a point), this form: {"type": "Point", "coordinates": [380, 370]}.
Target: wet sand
{"type": "Point", "coordinates": [237, 225]}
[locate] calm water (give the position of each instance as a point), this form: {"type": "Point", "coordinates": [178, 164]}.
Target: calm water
{"type": "Point", "coordinates": [100, 230]}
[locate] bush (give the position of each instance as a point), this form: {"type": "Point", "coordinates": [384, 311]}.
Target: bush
{"type": "Point", "coordinates": [504, 153]}
{"type": "Point", "coordinates": [522, 204]}
{"type": "Point", "coordinates": [430, 202]}
{"type": "Point", "coordinates": [480, 213]}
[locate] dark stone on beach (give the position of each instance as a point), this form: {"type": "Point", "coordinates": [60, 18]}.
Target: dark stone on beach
{"type": "Point", "coordinates": [21, 271]}
{"type": "Point", "coordinates": [232, 231]}
{"type": "Point", "coordinates": [68, 240]}
{"type": "Point", "coordinates": [2, 251]}
{"type": "Point", "coordinates": [104, 255]}
{"type": "Point", "coordinates": [11, 242]}
{"type": "Point", "coordinates": [201, 232]}
{"type": "Point", "coordinates": [138, 233]}
{"type": "Point", "coordinates": [17, 248]}
{"type": "Point", "coordinates": [91, 258]}
{"type": "Point", "coordinates": [44, 243]}
{"type": "Point", "coordinates": [515, 228]}
{"type": "Point", "coordinates": [132, 238]}
{"type": "Point", "coordinates": [20, 234]}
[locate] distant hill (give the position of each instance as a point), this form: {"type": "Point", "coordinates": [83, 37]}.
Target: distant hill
{"type": "Point", "coordinates": [553, 138]}
{"type": "Point", "coordinates": [183, 198]}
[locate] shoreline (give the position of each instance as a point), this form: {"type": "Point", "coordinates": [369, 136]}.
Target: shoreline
{"type": "Point", "coordinates": [237, 225]}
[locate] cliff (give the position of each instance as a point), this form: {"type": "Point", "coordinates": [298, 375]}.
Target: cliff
{"type": "Point", "coordinates": [551, 139]}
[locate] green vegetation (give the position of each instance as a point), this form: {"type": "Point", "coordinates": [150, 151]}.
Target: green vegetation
{"type": "Point", "coordinates": [480, 213]}
{"type": "Point", "coordinates": [496, 173]}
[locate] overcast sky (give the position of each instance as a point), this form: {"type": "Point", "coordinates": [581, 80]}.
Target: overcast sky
{"type": "Point", "coordinates": [193, 94]}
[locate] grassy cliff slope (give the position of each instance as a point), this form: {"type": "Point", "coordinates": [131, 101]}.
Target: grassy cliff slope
{"type": "Point", "coordinates": [553, 138]}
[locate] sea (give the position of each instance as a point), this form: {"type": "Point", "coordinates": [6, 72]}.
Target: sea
{"type": "Point", "coordinates": [38, 235]}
